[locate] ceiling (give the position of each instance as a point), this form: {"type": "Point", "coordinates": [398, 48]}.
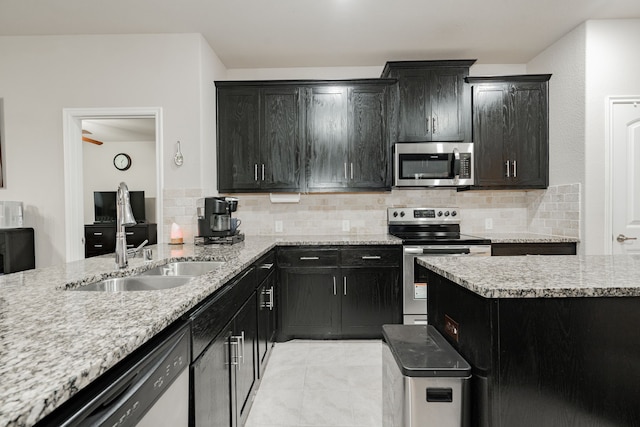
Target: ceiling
{"type": "Point", "coordinates": [120, 130]}
{"type": "Point", "coordinates": [327, 33]}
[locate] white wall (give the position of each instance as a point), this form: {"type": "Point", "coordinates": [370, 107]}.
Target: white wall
{"type": "Point", "coordinates": [42, 75]}
{"type": "Point", "coordinates": [565, 60]}
{"type": "Point", "coordinates": [100, 173]}
{"type": "Point", "coordinates": [612, 69]}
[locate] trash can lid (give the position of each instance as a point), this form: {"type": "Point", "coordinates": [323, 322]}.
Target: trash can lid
{"type": "Point", "coordinates": [420, 351]}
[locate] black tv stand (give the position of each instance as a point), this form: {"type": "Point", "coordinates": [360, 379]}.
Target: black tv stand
{"type": "Point", "coordinates": [100, 238]}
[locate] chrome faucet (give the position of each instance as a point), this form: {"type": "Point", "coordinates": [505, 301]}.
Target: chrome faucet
{"type": "Point", "coordinates": [124, 217]}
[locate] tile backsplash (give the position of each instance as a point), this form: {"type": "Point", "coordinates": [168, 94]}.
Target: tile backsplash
{"type": "Point", "coordinates": [553, 211]}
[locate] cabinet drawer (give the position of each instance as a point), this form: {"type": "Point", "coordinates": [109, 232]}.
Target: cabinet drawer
{"type": "Point", "coordinates": [135, 235]}
{"type": "Point", "coordinates": [371, 256]}
{"type": "Point", "coordinates": [264, 266]}
{"type": "Point", "coordinates": [312, 257]}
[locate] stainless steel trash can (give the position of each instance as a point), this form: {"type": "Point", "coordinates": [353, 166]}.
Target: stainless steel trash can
{"type": "Point", "coordinates": [425, 382]}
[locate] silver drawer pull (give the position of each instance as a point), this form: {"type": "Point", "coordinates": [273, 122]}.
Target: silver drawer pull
{"type": "Point", "coordinates": [129, 233]}
{"type": "Point", "coordinates": [97, 246]}
{"type": "Point", "coordinates": [371, 257]}
{"type": "Point", "coordinates": [266, 266]}
{"type": "Point", "coordinates": [97, 234]}
{"type": "Point", "coordinates": [309, 258]}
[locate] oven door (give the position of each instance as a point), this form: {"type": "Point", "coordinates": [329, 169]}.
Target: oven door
{"type": "Point", "coordinates": [414, 281]}
{"type": "Point", "coordinates": [432, 164]}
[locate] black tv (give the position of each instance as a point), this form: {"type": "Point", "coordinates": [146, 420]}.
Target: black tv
{"type": "Point", "coordinates": [104, 206]}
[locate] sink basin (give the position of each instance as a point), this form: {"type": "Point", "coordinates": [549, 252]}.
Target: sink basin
{"type": "Point", "coordinates": [135, 283]}
{"type": "Point", "coordinates": [184, 268]}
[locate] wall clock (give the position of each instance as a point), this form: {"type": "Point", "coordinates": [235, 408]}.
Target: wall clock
{"type": "Point", "coordinates": [122, 161]}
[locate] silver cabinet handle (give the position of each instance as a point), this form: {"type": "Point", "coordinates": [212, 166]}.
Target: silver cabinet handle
{"type": "Point", "coordinates": [622, 238]}
{"type": "Point", "coordinates": [309, 258]}
{"type": "Point", "coordinates": [515, 171]}
{"type": "Point", "coordinates": [345, 170]}
{"type": "Point", "coordinates": [97, 246]}
{"type": "Point", "coordinates": [255, 171]}
{"type": "Point", "coordinates": [366, 257]}
{"type": "Point", "coordinates": [433, 126]}
{"type": "Point", "coordinates": [266, 266]}
{"type": "Point", "coordinates": [344, 284]}
{"type": "Point", "coordinates": [263, 171]}
{"type": "Point", "coordinates": [508, 172]}
{"type": "Point", "coordinates": [270, 292]}
{"type": "Point", "coordinates": [234, 341]}
{"type": "Point", "coordinates": [351, 170]}
{"type": "Point", "coordinates": [129, 233]}
{"type": "Point", "coordinates": [242, 347]}
{"type": "Point", "coordinates": [428, 120]}
{"type": "Point", "coordinates": [334, 286]}
{"type": "Point", "coordinates": [97, 234]}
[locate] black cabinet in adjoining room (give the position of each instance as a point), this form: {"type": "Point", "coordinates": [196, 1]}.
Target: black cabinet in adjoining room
{"type": "Point", "coordinates": [511, 131]}
{"type": "Point", "coordinates": [433, 100]}
{"type": "Point", "coordinates": [17, 250]}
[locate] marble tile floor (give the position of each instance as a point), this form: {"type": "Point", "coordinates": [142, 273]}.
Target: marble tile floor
{"type": "Point", "coordinates": [321, 384]}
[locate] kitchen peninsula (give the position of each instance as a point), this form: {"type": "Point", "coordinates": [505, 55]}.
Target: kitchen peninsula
{"type": "Point", "coordinates": [553, 341]}
{"type": "Point", "coordinates": [54, 342]}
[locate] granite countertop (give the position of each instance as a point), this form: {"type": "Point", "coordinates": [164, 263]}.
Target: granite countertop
{"type": "Point", "coordinates": [53, 341]}
{"type": "Point", "coordinates": [527, 238]}
{"type": "Point", "coordinates": [540, 276]}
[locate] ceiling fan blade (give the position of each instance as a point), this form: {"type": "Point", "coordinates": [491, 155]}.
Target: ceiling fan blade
{"type": "Point", "coordinates": [93, 141]}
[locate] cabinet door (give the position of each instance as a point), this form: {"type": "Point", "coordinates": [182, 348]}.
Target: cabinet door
{"type": "Point", "coordinates": [309, 305]}
{"type": "Point", "coordinates": [211, 379]}
{"type": "Point", "coordinates": [238, 143]}
{"type": "Point", "coordinates": [370, 298]}
{"type": "Point", "coordinates": [266, 319]}
{"type": "Point", "coordinates": [326, 138]}
{"type": "Point", "coordinates": [489, 133]}
{"type": "Point", "coordinates": [414, 110]}
{"type": "Point", "coordinates": [279, 139]}
{"type": "Point", "coordinates": [449, 117]}
{"type": "Point", "coordinates": [369, 139]}
{"type": "Point", "coordinates": [246, 334]}
{"type": "Point", "coordinates": [528, 138]}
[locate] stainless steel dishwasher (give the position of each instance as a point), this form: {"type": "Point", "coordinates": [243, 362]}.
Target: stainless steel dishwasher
{"type": "Point", "coordinates": [152, 389]}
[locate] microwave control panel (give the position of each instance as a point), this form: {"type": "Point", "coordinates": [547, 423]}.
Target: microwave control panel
{"type": "Point", "coordinates": [465, 165]}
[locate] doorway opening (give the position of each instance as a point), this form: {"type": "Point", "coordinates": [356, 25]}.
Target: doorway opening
{"type": "Point", "coordinates": [74, 174]}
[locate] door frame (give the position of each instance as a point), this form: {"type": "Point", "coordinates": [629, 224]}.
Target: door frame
{"type": "Point", "coordinates": [73, 168]}
{"type": "Point", "coordinates": [608, 173]}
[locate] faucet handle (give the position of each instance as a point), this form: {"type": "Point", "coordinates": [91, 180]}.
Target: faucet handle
{"type": "Point", "coordinates": [133, 252]}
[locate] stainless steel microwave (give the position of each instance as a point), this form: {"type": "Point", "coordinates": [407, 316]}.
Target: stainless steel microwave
{"type": "Point", "coordinates": [433, 164]}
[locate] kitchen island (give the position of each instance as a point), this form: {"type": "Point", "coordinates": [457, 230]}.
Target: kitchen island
{"type": "Point", "coordinates": [552, 341]}
{"type": "Point", "coordinates": [55, 341]}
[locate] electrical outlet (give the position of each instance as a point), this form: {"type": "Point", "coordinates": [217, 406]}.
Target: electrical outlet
{"type": "Point", "coordinates": [278, 226]}
{"type": "Point", "coordinates": [345, 225]}
{"type": "Point", "coordinates": [488, 223]}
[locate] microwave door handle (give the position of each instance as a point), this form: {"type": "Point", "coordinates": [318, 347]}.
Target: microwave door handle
{"type": "Point", "coordinates": [456, 164]}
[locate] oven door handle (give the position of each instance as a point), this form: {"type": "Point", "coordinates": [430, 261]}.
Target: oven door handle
{"type": "Point", "coordinates": [448, 252]}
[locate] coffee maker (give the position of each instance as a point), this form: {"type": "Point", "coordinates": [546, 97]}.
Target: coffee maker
{"type": "Point", "coordinates": [214, 219]}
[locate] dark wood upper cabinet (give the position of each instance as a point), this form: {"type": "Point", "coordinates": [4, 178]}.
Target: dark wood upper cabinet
{"type": "Point", "coordinates": [433, 100]}
{"type": "Point", "coordinates": [348, 142]}
{"type": "Point", "coordinates": [258, 138]}
{"type": "Point", "coordinates": [511, 131]}
{"type": "Point", "coordinates": [304, 135]}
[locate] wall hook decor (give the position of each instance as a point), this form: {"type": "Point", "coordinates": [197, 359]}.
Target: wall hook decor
{"type": "Point", "coordinates": [178, 158]}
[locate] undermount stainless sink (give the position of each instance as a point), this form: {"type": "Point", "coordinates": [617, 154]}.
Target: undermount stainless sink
{"type": "Point", "coordinates": [184, 268]}
{"type": "Point", "coordinates": [135, 283]}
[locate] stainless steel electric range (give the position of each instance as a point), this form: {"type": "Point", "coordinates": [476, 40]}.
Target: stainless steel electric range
{"type": "Point", "coordinates": [428, 232]}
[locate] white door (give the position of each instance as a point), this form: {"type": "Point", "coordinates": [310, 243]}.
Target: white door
{"type": "Point", "coordinates": [626, 177]}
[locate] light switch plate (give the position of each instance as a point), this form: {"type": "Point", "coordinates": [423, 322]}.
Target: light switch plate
{"type": "Point", "coordinates": [278, 226]}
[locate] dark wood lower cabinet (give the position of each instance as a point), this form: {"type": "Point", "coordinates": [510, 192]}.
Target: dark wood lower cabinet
{"type": "Point", "coordinates": [267, 319]}
{"type": "Point", "coordinates": [309, 303]}
{"type": "Point", "coordinates": [243, 360]}
{"type": "Point", "coordinates": [368, 301]}
{"type": "Point", "coordinates": [211, 384]}
{"type": "Point", "coordinates": [556, 362]}
{"type": "Point", "coordinates": [347, 292]}
{"type": "Point", "coordinates": [511, 249]}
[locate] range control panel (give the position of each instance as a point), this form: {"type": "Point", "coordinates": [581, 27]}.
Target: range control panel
{"type": "Point", "coordinates": [423, 215]}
